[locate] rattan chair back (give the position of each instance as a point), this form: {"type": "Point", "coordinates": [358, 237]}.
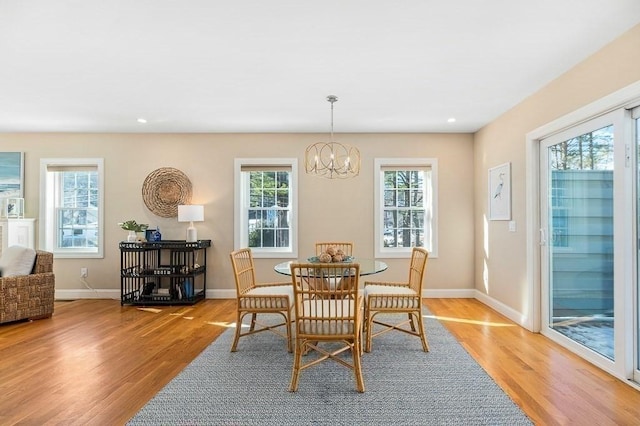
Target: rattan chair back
{"type": "Point", "coordinates": [259, 298]}
{"type": "Point", "coordinates": [243, 270]}
{"type": "Point", "coordinates": [346, 247]}
{"type": "Point", "coordinates": [416, 268]}
{"type": "Point", "coordinates": [328, 308]}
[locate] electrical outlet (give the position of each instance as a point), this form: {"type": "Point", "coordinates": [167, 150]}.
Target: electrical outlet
{"type": "Point", "coordinates": [84, 272]}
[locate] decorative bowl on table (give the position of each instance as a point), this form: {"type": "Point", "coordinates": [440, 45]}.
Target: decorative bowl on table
{"type": "Point", "coordinates": [316, 259]}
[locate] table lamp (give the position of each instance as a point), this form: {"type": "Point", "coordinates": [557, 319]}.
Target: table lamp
{"type": "Point", "coordinates": [191, 213]}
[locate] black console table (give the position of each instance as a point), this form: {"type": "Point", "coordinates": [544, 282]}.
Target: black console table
{"type": "Point", "coordinates": [168, 272]}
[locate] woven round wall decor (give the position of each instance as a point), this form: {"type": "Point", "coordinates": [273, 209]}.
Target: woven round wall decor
{"type": "Point", "coordinates": [164, 189]}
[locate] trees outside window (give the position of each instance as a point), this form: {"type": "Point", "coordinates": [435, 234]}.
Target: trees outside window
{"type": "Point", "coordinates": [405, 206]}
{"type": "Point", "coordinates": [266, 209]}
{"type": "Point", "coordinates": [72, 206]}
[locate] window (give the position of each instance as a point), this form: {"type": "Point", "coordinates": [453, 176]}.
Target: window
{"type": "Point", "coordinates": [266, 206]}
{"type": "Point", "coordinates": [405, 206]}
{"type": "Point", "coordinates": [71, 191]}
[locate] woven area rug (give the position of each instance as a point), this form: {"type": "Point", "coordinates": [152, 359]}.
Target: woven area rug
{"type": "Point", "coordinates": [404, 386]}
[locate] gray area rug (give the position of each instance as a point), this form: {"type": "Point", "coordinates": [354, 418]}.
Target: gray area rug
{"type": "Point", "coordinates": [404, 386]}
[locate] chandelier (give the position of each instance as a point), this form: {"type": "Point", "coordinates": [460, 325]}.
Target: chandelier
{"type": "Point", "coordinates": [332, 160]}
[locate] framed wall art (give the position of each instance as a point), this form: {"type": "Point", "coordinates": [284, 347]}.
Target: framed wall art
{"type": "Point", "coordinates": [12, 207]}
{"type": "Point", "coordinates": [11, 175]}
{"type": "Point", "coordinates": [500, 192]}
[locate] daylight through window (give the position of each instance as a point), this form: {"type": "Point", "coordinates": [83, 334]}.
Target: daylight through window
{"type": "Point", "coordinates": [266, 208]}
{"type": "Point", "coordinates": [405, 206]}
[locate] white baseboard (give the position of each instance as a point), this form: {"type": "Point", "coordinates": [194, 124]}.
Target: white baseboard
{"type": "Point", "coordinates": [221, 294]}
{"type": "Point", "coordinates": [513, 315]}
{"type": "Point", "coordinates": [73, 294]}
{"type": "Point", "coordinates": [449, 294]}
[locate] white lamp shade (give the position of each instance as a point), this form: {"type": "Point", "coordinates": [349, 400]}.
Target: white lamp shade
{"type": "Point", "coordinates": [190, 213]}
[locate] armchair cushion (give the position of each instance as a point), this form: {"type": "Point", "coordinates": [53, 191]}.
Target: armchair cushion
{"type": "Point", "coordinates": [17, 261]}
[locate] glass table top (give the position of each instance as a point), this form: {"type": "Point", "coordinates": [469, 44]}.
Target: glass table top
{"type": "Point", "coordinates": [367, 266]}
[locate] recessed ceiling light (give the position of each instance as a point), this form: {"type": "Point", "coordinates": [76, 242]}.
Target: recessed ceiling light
{"type": "Point", "coordinates": [142, 120]}
{"type": "Point", "coordinates": [451, 120]}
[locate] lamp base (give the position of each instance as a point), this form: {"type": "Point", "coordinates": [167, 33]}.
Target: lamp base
{"type": "Point", "coordinates": [192, 234]}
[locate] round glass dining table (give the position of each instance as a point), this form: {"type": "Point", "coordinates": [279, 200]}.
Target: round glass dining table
{"type": "Point", "coordinates": [367, 266]}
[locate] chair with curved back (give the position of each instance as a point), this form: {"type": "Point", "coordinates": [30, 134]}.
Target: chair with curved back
{"type": "Point", "coordinates": [346, 247]}
{"type": "Point", "coordinates": [259, 298]}
{"type": "Point", "coordinates": [327, 313]}
{"type": "Point", "coordinates": [397, 298]}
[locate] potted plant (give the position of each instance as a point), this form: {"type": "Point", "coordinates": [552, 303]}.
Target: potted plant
{"type": "Point", "coordinates": [133, 227]}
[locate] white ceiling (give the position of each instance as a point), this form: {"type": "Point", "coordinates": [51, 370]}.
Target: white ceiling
{"type": "Point", "coordinates": [268, 65]}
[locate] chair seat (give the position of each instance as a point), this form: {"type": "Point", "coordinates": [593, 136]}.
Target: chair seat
{"type": "Point", "coordinates": [277, 292]}
{"type": "Point", "coordinates": [391, 297]}
{"type": "Point", "coordinates": [397, 298]}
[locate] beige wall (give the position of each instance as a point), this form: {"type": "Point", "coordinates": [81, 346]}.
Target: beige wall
{"type": "Point", "coordinates": [471, 248]}
{"type": "Point", "coordinates": [504, 278]}
{"type": "Point", "coordinates": [327, 208]}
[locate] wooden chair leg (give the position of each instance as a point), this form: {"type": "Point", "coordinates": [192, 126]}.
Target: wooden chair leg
{"type": "Point", "coordinates": [411, 322]}
{"type": "Point", "coordinates": [234, 345]}
{"type": "Point", "coordinates": [295, 373]}
{"type": "Point", "coordinates": [423, 335]}
{"type": "Point", "coordinates": [357, 366]}
{"type": "Point", "coordinates": [252, 327]}
{"type": "Point", "coordinates": [369, 331]}
{"type": "Point", "coordinates": [289, 333]}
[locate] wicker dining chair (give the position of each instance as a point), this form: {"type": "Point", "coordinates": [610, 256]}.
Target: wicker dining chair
{"type": "Point", "coordinates": [397, 298]}
{"type": "Point", "coordinates": [346, 247]}
{"type": "Point", "coordinates": [259, 298]}
{"type": "Point", "coordinates": [327, 313]}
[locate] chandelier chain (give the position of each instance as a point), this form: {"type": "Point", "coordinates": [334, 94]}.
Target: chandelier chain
{"type": "Point", "coordinates": [332, 99]}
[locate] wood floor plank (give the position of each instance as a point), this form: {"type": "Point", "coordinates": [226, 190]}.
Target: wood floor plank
{"type": "Point", "coordinates": [551, 384]}
{"type": "Point", "coordinates": [95, 362]}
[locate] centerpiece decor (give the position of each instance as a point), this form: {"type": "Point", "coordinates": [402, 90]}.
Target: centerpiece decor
{"type": "Point", "coordinates": [133, 227]}
{"type": "Point", "coordinates": [331, 255]}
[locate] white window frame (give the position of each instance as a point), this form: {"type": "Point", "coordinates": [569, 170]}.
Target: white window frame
{"type": "Point", "coordinates": [47, 222]}
{"type": "Point", "coordinates": [432, 213]}
{"type": "Point", "coordinates": [241, 203]}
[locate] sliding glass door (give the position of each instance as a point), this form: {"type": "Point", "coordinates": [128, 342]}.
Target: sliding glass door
{"type": "Point", "coordinates": [579, 171]}
{"type": "Point", "coordinates": [589, 234]}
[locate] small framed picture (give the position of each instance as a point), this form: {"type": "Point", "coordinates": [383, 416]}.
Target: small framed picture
{"type": "Point", "coordinates": [500, 192]}
{"type": "Point", "coordinates": [13, 208]}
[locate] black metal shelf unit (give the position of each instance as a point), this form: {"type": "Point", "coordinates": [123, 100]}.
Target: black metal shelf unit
{"type": "Point", "coordinates": [168, 272]}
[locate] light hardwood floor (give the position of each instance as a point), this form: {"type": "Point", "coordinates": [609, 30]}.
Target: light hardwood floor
{"type": "Point", "coordinates": [97, 363]}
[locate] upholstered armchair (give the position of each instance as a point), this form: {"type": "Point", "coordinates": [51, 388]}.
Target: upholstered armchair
{"type": "Point", "coordinates": [29, 296]}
